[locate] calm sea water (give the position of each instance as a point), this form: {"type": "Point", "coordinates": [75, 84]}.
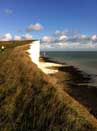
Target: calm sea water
{"type": "Point", "coordinates": [86, 61]}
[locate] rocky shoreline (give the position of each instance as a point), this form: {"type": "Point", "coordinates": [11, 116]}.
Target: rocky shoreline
{"type": "Point", "coordinates": [77, 83]}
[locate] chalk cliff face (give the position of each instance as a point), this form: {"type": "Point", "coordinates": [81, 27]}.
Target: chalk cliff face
{"type": "Point", "coordinates": [34, 51]}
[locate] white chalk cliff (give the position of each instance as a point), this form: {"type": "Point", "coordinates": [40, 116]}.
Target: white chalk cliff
{"type": "Point", "coordinates": [34, 52]}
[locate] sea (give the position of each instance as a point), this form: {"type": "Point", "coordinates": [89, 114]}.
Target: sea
{"type": "Point", "coordinates": [83, 60]}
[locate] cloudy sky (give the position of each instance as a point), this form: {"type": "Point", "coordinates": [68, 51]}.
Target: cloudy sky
{"type": "Point", "coordinates": [59, 24]}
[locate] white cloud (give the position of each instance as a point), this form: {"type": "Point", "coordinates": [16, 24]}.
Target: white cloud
{"type": "Point", "coordinates": [63, 37]}
{"type": "Point", "coordinates": [62, 45]}
{"type": "Point", "coordinates": [64, 41]}
{"type": "Point", "coordinates": [67, 32]}
{"type": "Point", "coordinates": [17, 38]}
{"type": "Point", "coordinates": [34, 27]}
{"type": "Point", "coordinates": [74, 45]}
{"type": "Point", "coordinates": [6, 37]}
{"type": "Point", "coordinates": [78, 45]}
{"type": "Point", "coordinates": [46, 46]}
{"type": "Point", "coordinates": [8, 11]}
{"type": "Point", "coordinates": [60, 33]}
{"type": "Point", "coordinates": [47, 39]}
{"type": "Point", "coordinates": [94, 37]}
{"type": "Point", "coordinates": [27, 37]}
{"type": "Point", "coordinates": [83, 37]}
{"type": "Point", "coordinates": [88, 45]}
{"type": "Point", "coordinates": [9, 37]}
{"type": "Point", "coordinates": [68, 45]}
{"type": "Point", "coordinates": [57, 32]}
{"type": "Point", "coordinates": [65, 45]}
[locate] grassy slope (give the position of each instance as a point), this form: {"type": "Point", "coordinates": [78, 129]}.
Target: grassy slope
{"type": "Point", "coordinates": [12, 44]}
{"type": "Point", "coordinates": [29, 100]}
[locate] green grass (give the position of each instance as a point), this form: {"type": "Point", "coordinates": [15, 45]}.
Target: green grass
{"type": "Point", "coordinates": [29, 100]}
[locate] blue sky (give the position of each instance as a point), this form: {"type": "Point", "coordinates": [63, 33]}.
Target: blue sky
{"type": "Point", "coordinates": [45, 17]}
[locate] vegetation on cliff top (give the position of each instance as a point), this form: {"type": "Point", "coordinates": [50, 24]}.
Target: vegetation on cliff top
{"type": "Point", "coordinates": [29, 99]}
